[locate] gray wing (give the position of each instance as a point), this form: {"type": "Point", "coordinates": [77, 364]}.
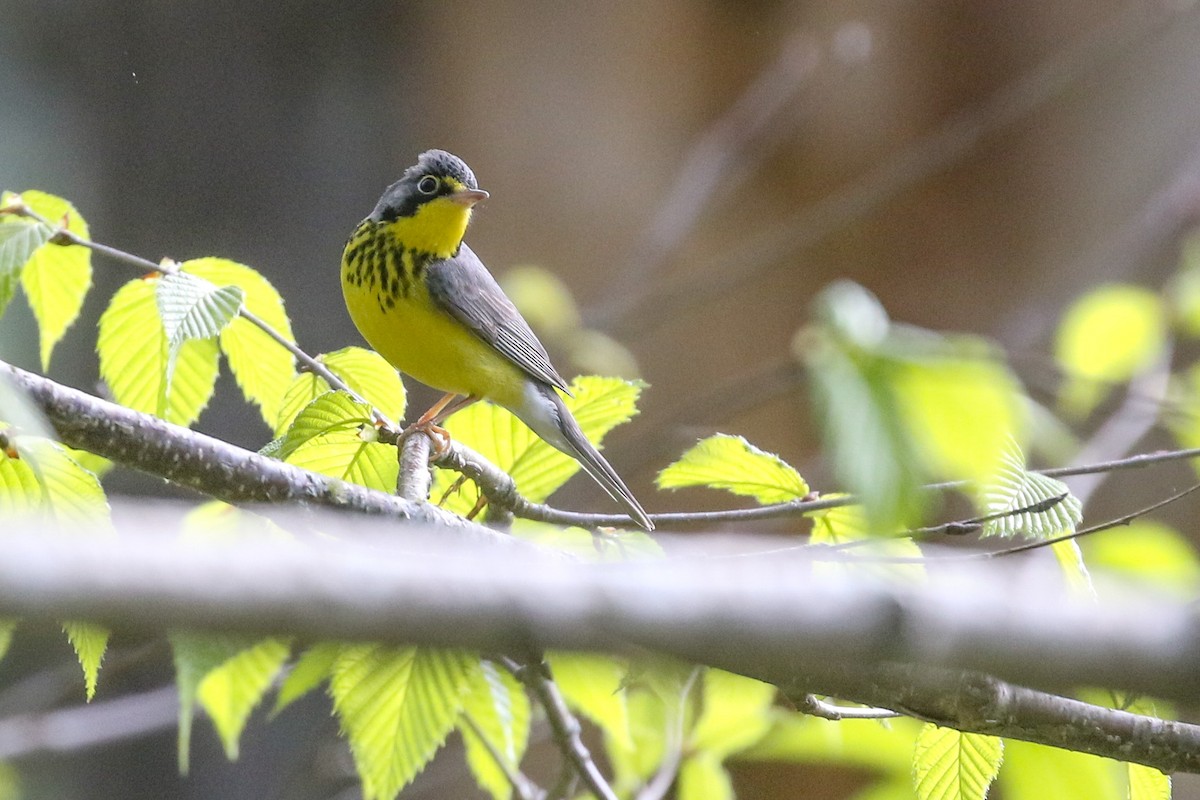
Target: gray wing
{"type": "Point", "coordinates": [464, 288]}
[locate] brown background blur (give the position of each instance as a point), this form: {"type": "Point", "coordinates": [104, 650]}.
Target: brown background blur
{"type": "Point", "coordinates": [693, 171]}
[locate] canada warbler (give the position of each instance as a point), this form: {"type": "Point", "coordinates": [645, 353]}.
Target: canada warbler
{"type": "Point", "coordinates": [428, 305]}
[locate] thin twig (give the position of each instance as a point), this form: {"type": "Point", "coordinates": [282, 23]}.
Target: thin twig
{"type": "Point", "coordinates": [815, 706]}
{"type": "Point", "coordinates": [565, 726]}
{"type": "Point", "coordinates": [525, 788]}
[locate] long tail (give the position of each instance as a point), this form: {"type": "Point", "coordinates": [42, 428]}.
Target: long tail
{"type": "Point", "coordinates": [549, 418]}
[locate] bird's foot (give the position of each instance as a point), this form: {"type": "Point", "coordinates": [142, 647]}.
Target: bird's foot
{"type": "Point", "coordinates": [439, 437]}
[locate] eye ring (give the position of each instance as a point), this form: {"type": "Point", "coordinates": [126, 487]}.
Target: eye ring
{"type": "Point", "coordinates": [427, 185]}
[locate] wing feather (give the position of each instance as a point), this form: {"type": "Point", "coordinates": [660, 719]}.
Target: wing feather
{"type": "Point", "coordinates": [462, 287]}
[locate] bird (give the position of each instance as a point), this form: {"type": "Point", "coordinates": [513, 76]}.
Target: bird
{"type": "Point", "coordinates": [426, 303]}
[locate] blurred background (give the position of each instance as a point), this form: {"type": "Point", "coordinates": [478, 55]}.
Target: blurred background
{"type": "Point", "coordinates": [692, 172]}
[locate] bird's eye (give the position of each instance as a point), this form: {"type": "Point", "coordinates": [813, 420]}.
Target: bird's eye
{"type": "Point", "coordinates": [427, 185]}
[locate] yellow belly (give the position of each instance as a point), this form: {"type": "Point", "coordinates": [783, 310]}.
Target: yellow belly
{"type": "Point", "coordinates": [425, 342]}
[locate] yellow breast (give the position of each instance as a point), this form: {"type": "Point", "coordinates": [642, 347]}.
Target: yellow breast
{"type": "Point", "coordinates": [423, 341]}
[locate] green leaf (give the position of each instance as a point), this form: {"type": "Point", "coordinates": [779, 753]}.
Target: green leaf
{"type": "Point", "coordinates": [1015, 488]}
{"type": "Point", "coordinates": [732, 463]}
{"type": "Point", "coordinates": [228, 675]}
{"type": "Point", "coordinates": [364, 371]}
{"type": "Point", "coordinates": [7, 628]}
{"type": "Point", "coordinates": [65, 491]}
{"type": "Point", "coordinates": [736, 714]}
{"type": "Point", "coordinates": [262, 367]}
{"type": "Point", "coordinates": [1147, 783]}
{"type": "Point", "coordinates": [333, 436]}
{"type": "Point", "coordinates": [876, 553]}
{"type": "Point", "coordinates": [56, 278]}
{"type": "Point", "coordinates": [192, 308]}
{"type": "Point", "coordinates": [89, 641]}
{"type": "Point", "coordinates": [599, 405]}
{"type": "Point", "coordinates": [951, 765]}
{"type": "Point", "coordinates": [134, 355]}
{"type": "Point", "coordinates": [498, 710]}
{"type": "Point", "coordinates": [19, 240]}
{"type": "Point", "coordinates": [701, 777]}
{"type": "Point", "coordinates": [1107, 336]}
{"type": "Point", "coordinates": [592, 685]}
{"type": "Point", "coordinates": [396, 706]}
{"type": "Point", "coordinates": [871, 451]}
{"type": "Point", "coordinates": [310, 671]}
{"type": "Point", "coordinates": [637, 750]}
{"type": "Point", "coordinates": [962, 412]}
{"type": "Point", "coordinates": [230, 692]}
{"type": "Point", "coordinates": [1036, 772]}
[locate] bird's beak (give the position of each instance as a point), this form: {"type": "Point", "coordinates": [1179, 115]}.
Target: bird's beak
{"type": "Point", "coordinates": [468, 197]}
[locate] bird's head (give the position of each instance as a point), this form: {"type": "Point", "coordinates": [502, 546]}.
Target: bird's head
{"type": "Point", "coordinates": [429, 208]}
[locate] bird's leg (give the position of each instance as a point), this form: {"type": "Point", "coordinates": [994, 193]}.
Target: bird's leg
{"type": "Point", "coordinates": [428, 422]}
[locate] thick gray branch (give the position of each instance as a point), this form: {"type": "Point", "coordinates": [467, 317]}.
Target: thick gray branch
{"type": "Point", "coordinates": [918, 648]}
{"type": "Point", "coordinates": [211, 466]}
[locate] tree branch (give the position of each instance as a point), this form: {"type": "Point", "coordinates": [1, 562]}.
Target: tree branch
{"type": "Point", "coordinates": [916, 648]}
{"type": "Point", "coordinates": [216, 468]}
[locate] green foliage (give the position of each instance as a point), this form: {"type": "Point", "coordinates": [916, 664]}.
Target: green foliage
{"type": "Point", "coordinates": [55, 278]}
{"type": "Point", "coordinates": [90, 642]}
{"type": "Point", "coordinates": [592, 686]}
{"type": "Point", "coordinates": [1107, 336]}
{"type": "Point", "coordinates": [1149, 553]}
{"type": "Point", "coordinates": [951, 765]}
{"type": "Point", "coordinates": [135, 355]}
{"type": "Point", "coordinates": [262, 367]}
{"type": "Point", "coordinates": [496, 711]}
{"type": "Point", "coordinates": [900, 407]}
{"type": "Point", "coordinates": [599, 404]}
{"type": "Point", "coordinates": [396, 706]}
{"type": "Point", "coordinates": [310, 670]}
{"type": "Point", "coordinates": [335, 435]}
{"type": "Point", "coordinates": [732, 463]}
{"type": "Point", "coordinates": [191, 309]}
{"type": "Point", "coordinates": [1013, 488]}
{"type": "Point", "coordinates": [364, 371]}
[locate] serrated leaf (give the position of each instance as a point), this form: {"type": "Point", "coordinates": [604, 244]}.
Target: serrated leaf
{"type": "Point", "coordinates": [90, 642]}
{"type": "Point", "coordinates": [735, 714]}
{"type": "Point", "coordinates": [592, 685]}
{"type": "Point", "coordinates": [327, 437]}
{"type": "Point", "coordinates": [311, 670]}
{"type": "Point", "coordinates": [396, 706]}
{"type": "Point", "coordinates": [134, 354]}
{"type": "Point", "coordinates": [66, 491]}
{"type": "Point", "coordinates": [498, 710]}
{"type": "Point", "coordinates": [194, 308]}
{"type": "Point", "coordinates": [199, 656]}
{"type": "Point", "coordinates": [1107, 336]}
{"type": "Point", "coordinates": [195, 656]}
{"type": "Point", "coordinates": [262, 367]}
{"type": "Point", "coordinates": [701, 777]}
{"type": "Point", "coordinates": [231, 692]}
{"type": "Point", "coordinates": [1147, 783]}
{"type": "Point", "coordinates": [56, 278]}
{"type": "Point", "coordinates": [637, 753]}
{"type": "Point", "coordinates": [364, 371]}
{"type": "Point", "coordinates": [1014, 488]}
{"type": "Point", "coordinates": [599, 405]}
{"type": "Point", "coordinates": [19, 240]}
{"type": "Point", "coordinates": [951, 765]}
{"type": "Point", "coordinates": [732, 463]}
